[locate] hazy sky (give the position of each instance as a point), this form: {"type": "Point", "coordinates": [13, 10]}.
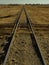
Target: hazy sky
{"type": "Point", "coordinates": [23, 1]}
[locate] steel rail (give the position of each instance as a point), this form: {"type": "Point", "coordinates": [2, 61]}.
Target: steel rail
{"type": "Point", "coordinates": [29, 21]}
{"type": "Point", "coordinates": [12, 37]}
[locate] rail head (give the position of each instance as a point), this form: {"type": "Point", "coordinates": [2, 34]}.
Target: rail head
{"type": "Point", "coordinates": [12, 39]}
{"type": "Point", "coordinates": [29, 20]}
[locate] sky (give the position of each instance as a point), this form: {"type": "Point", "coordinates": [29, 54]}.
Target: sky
{"type": "Point", "coordinates": [24, 1]}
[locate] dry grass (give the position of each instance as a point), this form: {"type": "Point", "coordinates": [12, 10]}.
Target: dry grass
{"type": "Point", "coordinates": [38, 14]}
{"type": "Point", "coordinates": [11, 11]}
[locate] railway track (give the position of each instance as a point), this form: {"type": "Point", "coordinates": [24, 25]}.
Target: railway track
{"type": "Point", "coordinates": [23, 49]}
{"type": "Point", "coordinates": [26, 43]}
{"type": "Point", "coordinates": [6, 35]}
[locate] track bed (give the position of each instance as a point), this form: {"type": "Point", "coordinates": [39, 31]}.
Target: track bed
{"type": "Point", "coordinates": [22, 51]}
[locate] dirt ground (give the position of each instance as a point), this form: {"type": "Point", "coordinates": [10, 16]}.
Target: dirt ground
{"type": "Point", "coordinates": [8, 14]}
{"type": "Point", "coordinates": [38, 14]}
